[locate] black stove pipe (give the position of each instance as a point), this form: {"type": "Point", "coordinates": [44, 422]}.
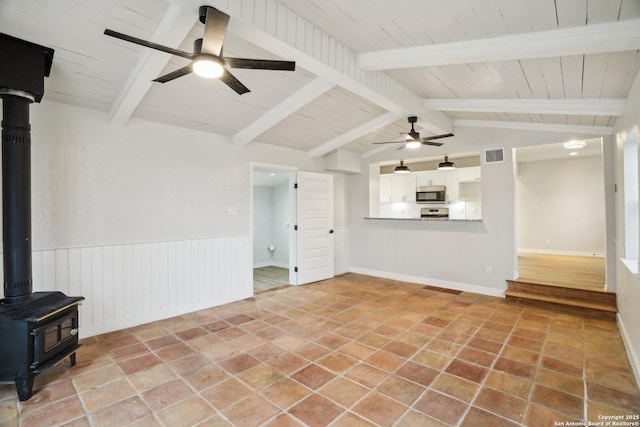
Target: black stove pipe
{"type": "Point", "coordinates": [16, 202]}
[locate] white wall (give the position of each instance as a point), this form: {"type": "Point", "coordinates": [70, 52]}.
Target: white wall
{"type": "Point", "coordinates": [271, 224]}
{"type": "Point", "coordinates": [454, 255]}
{"type": "Point", "coordinates": [262, 220]}
{"type": "Point", "coordinates": [134, 218]}
{"type": "Point", "coordinates": [628, 280]}
{"type": "Point", "coordinates": [562, 202]}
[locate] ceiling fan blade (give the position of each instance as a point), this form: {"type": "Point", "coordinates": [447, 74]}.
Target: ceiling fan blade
{"type": "Point", "coordinates": [411, 137]}
{"type": "Point", "coordinates": [429, 138]}
{"type": "Point", "coordinates": [436, 144]}
{"type": "Point", "coordinates": [174, 75]}
{"type": "Point", "coordinates": [391, 142]}
{"type": "Point", "coordinates": [215, 30]}
{"type": "Point", "coordinates": [260, 64]}
{"type": "Point", "coordinates": [151, 45]}
{"type": "Point", "coordinates": [234, 83]}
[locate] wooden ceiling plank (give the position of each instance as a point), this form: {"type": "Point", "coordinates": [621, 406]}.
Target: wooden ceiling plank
{"type": "Point", "coordinates": [571, 13]}
{"type": "Point", "coordinates": [290, 105]}
{"type": "Point", "coordinates": [571, 67]}
{"type": "Point", "coordinates": [552, 74]}
{"type": "Point", "coordinates": [596, 107]}
{"type": "Point", "coordinates": [379, 88]}
{"type": "Point", "coordinates": [542, 14]}
{"type": "Point", "coordinates": [173, 28]}
{"type": "Point", "coordinates": [595, 68]}
{"type": "Point", "coordinates": [585, 39]}
{"type": "Point", "coordinates": [629, 9]}
{"type": "Point", "coordinates": [621, 70]}
{"type": "Point", "coordinates": [603, 11]}
{"type": "Point", "coordinates": [355, 133]}
{"type": "Point", "coordinates": [539, 127]}
{"type": "Point", "coordinates": [534, 75]}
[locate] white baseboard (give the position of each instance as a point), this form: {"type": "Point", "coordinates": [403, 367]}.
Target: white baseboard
{"type": "Point", "coordinates": [634, 360]}
{"type": "Point", "coordinates": [483, 290]}
{"type": "Point", "coordinates": [86, 332]}
{"type": "Point", "coordinates": [271, 264]}
{"type": "Point", "coordinates": [552, 252]}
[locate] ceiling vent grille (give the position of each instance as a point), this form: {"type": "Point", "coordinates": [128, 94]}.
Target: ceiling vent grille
{"type": "Point", "coordinates": [494, 155]}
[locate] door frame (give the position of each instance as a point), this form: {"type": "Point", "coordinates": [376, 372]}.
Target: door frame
{"type": "Point", "coordinates": [292, 172]}
{"type": "Point", "coordinates": [606, 157]}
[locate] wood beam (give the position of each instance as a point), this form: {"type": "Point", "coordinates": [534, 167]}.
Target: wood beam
{"type": "Point", "coordinates": [272, 27]}
{"type": "Point", "coordinates": [538, 127]}
{"type": "Point", "coordinates": [355, 133]}
{"type": "Point", "coordinates": [586, 107]}
{"type": "Point", "coordinates": [589, 39]}
{"type": "Point", "coordinates": [302, 97]}
{"type": "Point", "coordinates": [172, 30]}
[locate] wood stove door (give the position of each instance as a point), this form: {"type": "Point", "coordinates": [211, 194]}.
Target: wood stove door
{"type": "Point", "coordinates": [54, 337]}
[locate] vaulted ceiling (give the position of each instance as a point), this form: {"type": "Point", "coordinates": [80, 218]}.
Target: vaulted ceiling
{"type": "Point", "coordinates": [363, 66]}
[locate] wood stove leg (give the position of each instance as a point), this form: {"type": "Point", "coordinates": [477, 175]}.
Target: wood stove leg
{"type": "Point", "coordinates": [24, 386]}
{"type": "Point", "coordinates": [73, 359]}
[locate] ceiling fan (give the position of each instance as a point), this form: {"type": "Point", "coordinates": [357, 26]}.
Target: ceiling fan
{"type": "Point", "coordinates": [207, 60]}
{"type": "Point", "coordinates": [413, 140]}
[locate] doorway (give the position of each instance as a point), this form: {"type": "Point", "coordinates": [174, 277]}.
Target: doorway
{"type": "Point", "coordinates": [273, 215]}
{"type": "Point", "coordinates": [560, 211]}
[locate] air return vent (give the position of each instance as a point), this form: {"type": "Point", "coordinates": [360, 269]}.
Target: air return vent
{"type": "Point", "coordinates": [494, 155]}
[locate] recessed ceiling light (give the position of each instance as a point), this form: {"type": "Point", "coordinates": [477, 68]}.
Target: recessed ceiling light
{"type": "Point", "coordinates": [574, 144]}
{"type": "Point", "coordinates": [573, 153]}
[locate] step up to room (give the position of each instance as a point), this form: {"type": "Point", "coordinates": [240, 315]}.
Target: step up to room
{"type": "Point", "coordinates": [579, 302]}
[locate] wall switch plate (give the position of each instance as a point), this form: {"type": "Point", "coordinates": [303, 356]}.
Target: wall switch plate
{"type": "Point", "coordinates": [489, 270]}
{"type": "Point", "coordinates": [232, 210]}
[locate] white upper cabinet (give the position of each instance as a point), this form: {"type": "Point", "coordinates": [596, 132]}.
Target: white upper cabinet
{"type": "Point", "coordinates": [385, 188]}
{"type": "Point", "coordinates": [429, 178]}
{"type": "Point", "coordinates": [398, 188]}
{"type": "Point", "coordinates": [471, 174]}
{"type": "Point", "coordinates": [449, 179]}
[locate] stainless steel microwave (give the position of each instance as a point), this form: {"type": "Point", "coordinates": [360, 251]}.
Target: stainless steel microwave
{"type": "Point", "coordinates": [431, 194]}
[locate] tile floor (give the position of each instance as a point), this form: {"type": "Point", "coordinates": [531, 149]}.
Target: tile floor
{"type": "Point", "coordinates": [351, 351]}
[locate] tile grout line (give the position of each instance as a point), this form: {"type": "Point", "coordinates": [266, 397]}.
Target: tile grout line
{"type": "Point", "coordinates": [477, 393]}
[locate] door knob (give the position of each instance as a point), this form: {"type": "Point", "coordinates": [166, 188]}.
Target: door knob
{"type": "Point", "coordinates": [330, 231]}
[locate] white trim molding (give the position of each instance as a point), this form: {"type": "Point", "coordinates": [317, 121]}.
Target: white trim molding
{"type": "Point", "coordinates": [464, 287]}
{"type": "Point", "coordinates": [587, 107]}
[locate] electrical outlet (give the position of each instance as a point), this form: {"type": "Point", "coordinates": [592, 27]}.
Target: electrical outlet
{"type": "Point", "coordinates": [548, 243]}
{"type": "Point", "coordinates": [489, 270]}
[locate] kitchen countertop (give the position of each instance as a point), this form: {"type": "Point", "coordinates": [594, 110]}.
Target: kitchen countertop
{"type": "Point", "coordinates": [425, 219]}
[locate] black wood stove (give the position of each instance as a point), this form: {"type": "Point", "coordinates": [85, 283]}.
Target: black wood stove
{"type": "Point", "coordinates": [37, 329]}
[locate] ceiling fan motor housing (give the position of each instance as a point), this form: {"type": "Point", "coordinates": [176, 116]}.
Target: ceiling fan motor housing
{"type": "Point", "coordinates": [202, 12]}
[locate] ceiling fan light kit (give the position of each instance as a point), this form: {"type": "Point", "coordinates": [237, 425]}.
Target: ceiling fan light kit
{"type": "Point", "coordinates": [207, 60]}
{"type": "Point", "coordinates": [413, 140]}
{"type": "Point", "coordinates": [208, 67]}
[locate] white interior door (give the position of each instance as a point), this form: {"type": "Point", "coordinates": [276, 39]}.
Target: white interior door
{"type": "Point", "coordinates": [314, 235]}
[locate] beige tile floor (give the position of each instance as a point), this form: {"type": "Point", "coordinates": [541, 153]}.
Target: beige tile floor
{"type": "Point", "coordinates": [351, 351]}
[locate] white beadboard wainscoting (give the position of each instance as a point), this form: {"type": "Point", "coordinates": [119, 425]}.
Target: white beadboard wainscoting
{"type": "Point", "coordinates": [130, 284]}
